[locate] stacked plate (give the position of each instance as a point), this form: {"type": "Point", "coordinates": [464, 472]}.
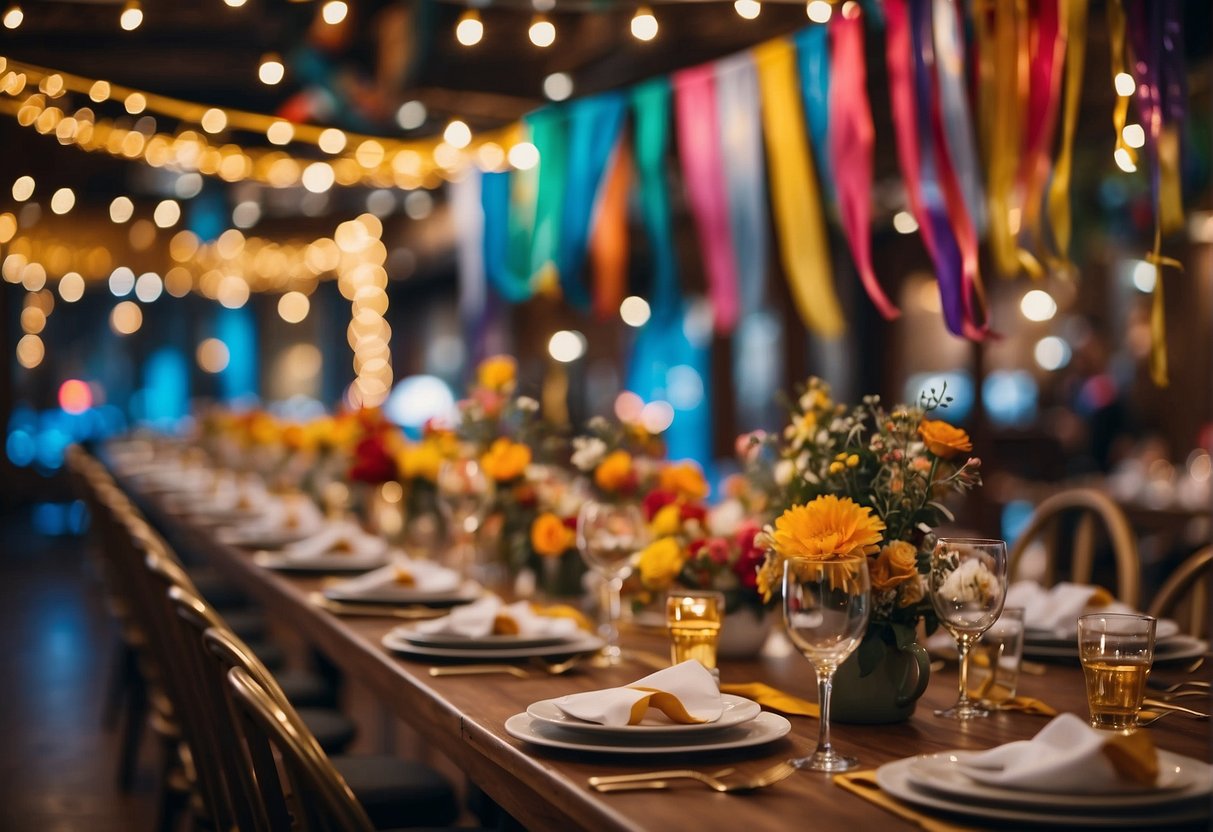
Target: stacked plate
{"type": "Point", "coordinates": [395, 593]}
{"type": "Point", "coordinates": [491, 647]}
{"type": "Point", "coordinates": [1170, 645]}
{"type": "Point", "coordinates": [742, 724]}
{"type": "Point", "coordinates": [937, 782]}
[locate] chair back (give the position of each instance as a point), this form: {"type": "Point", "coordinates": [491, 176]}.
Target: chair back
{"type": "Point", "coordinates": [1185, 595]}
{"type": "Point", "coordinates": [319, 798]}
{"type": "Point", "coordinates": [1093, 509]}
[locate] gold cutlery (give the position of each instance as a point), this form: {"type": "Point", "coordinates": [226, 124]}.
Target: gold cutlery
{"type": "Point", "coordinates": [1169, 695]}
{"type": "Point", "coordinates": [1158, 704]}
{"type": "Point", "coordinates": [661, 780]}
{"type": "Point", "coordinates": [863, 784]}
{"type": "Point", "coordinates": [1193, 683]}
{"type": "Point", "coordinates": [479, 670]}
{"type": "Point", "coordinates": [413, 613]}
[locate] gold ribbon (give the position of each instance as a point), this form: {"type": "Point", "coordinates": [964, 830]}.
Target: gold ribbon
{"type": "Point", "coordinates": [1116, 46]}
{"type": "Point", "coordinates": [795, 197]}
{"type": "Point", "coordinates": [1170, 197]}
{"type": "Point", "coordinates": [1004, 134]}
{"type": "Point", "coordinates": [773, 698]}
{"type": "Point", "coordinates": [1158, 312]}
{"type": "Point", "coordinates": [1074, 18]}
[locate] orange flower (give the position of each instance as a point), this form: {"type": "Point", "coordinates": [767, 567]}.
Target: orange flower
{"type": "Point", "coordinates": [550, 537]}
{"type": "Point", "coordinates": [942, 439]}
{"type": "Point", "coordinates": [684, 479]}
{"type": "Point", "coordinates": [828, 528]}
{"type": "Point", "coordinates": [506, 460]}
{"type": "Point", "coordinates": [614, 472]}
{"type": "Point", "coordinates": [896, 564]}
{"type": "Point", "coordinates": [497, 373]}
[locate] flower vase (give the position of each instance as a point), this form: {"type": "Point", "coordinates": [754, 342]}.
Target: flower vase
{"type": "Point", "coordinates": [424, 531]}
{"type": "Point", "coordinates": [743, 633]}
{"type": "Point", "coordinates": [559, 577]}
{"type": "Point", "coordinates": [880, 683]}
{"type": "Point", "coordinates": [383, 511]}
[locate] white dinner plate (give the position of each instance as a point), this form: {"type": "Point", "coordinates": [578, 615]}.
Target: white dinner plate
{"type": "Point", "coordinates": [262, 538]}
{"type": "Point", "coordinates": [328, 563]}
{"type": "Point", "coordinates": [894, 778]}
{"type": "Point", "coordinates": [1179, 778]}
{"type": "Point", "coordinates": [767, 727]}
{"type": "Point", "coordinates": [737, 709]}
{"type": "Point", "coordinates": [1174, 649]}
{"type": "Point", "coordinates": [397, 641]}
{"type": "Point", "coordinates": [455, 641]}
{"type": "Point", "coordinates": [394, 593]}
{"type": "Point", "coordinates": [1164, 629]}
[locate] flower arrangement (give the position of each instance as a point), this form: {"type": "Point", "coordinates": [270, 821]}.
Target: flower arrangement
{"type": "Point", "coordinates": [620, 459]}
{"type": "Point", "coordinates": [863, 480]}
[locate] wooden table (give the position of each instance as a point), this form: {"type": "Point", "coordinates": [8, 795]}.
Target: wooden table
{"type": "Point", "coordinates": [546, 788]}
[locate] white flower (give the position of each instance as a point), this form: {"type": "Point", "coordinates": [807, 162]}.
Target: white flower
{"type": "Point", "coordinates": [971, 582]}
{"type": "Point", "coordinates": [526, 404]}
{"type": "Point", "coordinates": [598, 424]}
{"type": "Point", "coordinates": [588, 451]}
{"type": "Point", "coordinates": [725, 519]}
{"type": "Point", "coordinates": [784, 470]}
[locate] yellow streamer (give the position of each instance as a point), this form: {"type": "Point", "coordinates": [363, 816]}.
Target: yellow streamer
{"type": "Point", "coordinates": [1116, 47]}
{"type": "Point", "coordinates": [1170, 196]}
{"type": "Point", "coordinates": [1074, 16]}
{"type": "Point", "coordinates": [795, 196]}
{"type": "Point", "coordinates": [1004, 135]}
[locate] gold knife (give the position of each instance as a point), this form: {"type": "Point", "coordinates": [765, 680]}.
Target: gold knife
{"type": "Point", "coordinates": [863, 784]}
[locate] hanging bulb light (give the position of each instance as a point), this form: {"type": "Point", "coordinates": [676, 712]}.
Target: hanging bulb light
{"type": "Point", "coordinates": [271, 71]}
{"type": "Point", "coordinates": [13, 16]}
{"type": "Point", "coordinates": [542, 32]}
{"type": "Point", "coordinates": [748, 9]}
{"type": "Point", "coordinates": [132, 16]}
{"type": "Point", "coordinates": [819, 11]}
{"type": "Point", "coordinates": [644, 24]}
{"type": "Point", "coordinates": [334, 11]}
{"type": "Point", "coordinates": [470, 29]}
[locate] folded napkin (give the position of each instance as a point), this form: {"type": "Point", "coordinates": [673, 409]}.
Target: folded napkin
{"type": "Point", "coordinates": [773, 698]}
{"type": "Point", "coordinates": [338, 538]}
{"type": "Point", "coordinates": [1057, 609]}
{"type": "Point", "coordinates": [492, 616]}
{"type": "Point", "coordinates": [1067, 757]}
{"type": "Point", "coordinates": [686, 693]}
{"type": "Point", "coordinates": [419, 575]}
{"type": "Point", "coordinates": [287, 515]}
{"type": "Point", "coordinates": [863, 784]}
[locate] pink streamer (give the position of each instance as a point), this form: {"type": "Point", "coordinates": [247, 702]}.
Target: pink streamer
{"type": "Point", "coordinates": [703, 172]}
{"type": "Point", "coordinates": [852, 138]}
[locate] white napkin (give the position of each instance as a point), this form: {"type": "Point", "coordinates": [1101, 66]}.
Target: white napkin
{"type": "Point", "coordinates": [476, 620]}
{"type": "Point", "coordinates": [1056, 610]}
{"type": "Point", "coordinates": [1066, 757]}
{"type": "Point", "coordinates": [338, 538]}
{"type": "Point", "coordinates": [426, 577]}
{"type": "Point", "coordinates": [293, 515]}
{"type": "Point", "coordinates": [689, 683]}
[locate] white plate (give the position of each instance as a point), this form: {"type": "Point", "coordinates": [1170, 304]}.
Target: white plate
{"type": "Point", "coordinates": [335, 562]}
{"type": "Point", "coordinates": [1174, 649]}
{"type": "Point", "coordinates": [1164, 630]}
{"type": "Point", "coordinates": [894, 778]}
{"type": "Point", "coordinates": [767, 727]}
{"type": "Point", "coordinates": [489, 642]}
{"type": "Point", "coordinates": [737, 709]}
{"type": "Point", "coordinates": [1179, 778]}
{"type": "Point", "coordinates": [397, 594]}
{"type": "Point", "coordinates": [397, 640]}
{"type": "Point", "coordinates": [262, 538]}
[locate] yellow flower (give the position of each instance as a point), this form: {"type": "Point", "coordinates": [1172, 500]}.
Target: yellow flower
{"type": "Point", "coordinates": [497, 373]}
{"type": "Point", "coordinates": [896, 564]}
{"type": "Point", "coordinates": [660, 563]}
{"type": "Point", "coordinates": [420, 461]}
{"type": "Point", "coordinates": [614, 472]}
{"type": "Point", "coordinates": [684, 479]}
{"type": "Point", "coordinates": [943, 439]}
{"type": "Point", "coordinates": [826, 529]}
{"type": "Point", "coordinates": [667, 520]}
{"type": "Point", "coordinates": [550, 537]}
{"type": "Point", "coordinates": [506, 460]}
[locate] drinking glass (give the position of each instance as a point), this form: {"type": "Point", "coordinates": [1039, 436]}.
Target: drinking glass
{"type": "Point", "coordinates": [996, 658]}
{"type": "Point", "coordinates": [464, 491]}
{"type": "Point", "coordinates": [826, 605]}
{"type": "Point", "coordinates": [608, 537]}
{"type": "Point", "coordinates": [1116, 653]}
{"type": "Point", "coordinates": [693, 618]}
{"type": "Point", "coordinates": [968, 587]}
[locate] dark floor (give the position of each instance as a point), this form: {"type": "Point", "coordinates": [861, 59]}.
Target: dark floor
{"type": "Point", "coordinates": [56, 759]}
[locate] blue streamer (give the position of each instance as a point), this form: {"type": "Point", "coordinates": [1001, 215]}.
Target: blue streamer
{"type": "Point", "coordinates": [651, 106]}
{"type": "Point", "coordinates": [813, 63]}
{"type": "Point", "coordinates": [511, 284]}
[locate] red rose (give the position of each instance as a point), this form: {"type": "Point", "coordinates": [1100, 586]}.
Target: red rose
{"type": "Point", "coordinates": [655, 501]}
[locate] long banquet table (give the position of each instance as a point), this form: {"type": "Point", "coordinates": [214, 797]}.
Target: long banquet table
{"type": "Point", "coordinates": [544, 789]}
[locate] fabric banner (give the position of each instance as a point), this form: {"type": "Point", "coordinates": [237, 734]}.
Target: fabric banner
{"type": "Point", "coordinates": [703, 174]}
{"type": "Point", "coordinates": [651, 109]}
{"type": "Point", "coordinates": [507, 274]}
{"type": "Point", "coordinates": [468, 214]}
{"type": "Point", "coordinates": [549, 134]}
{"type": "Point", "coordinates": [609, 244]}
{"type": "Point", "coordinates": [803, 244]}
{"type": "Point", "coordinates": [813, 64]}
{"type": "Point", "coordinates": [852, 138]}
{"type": "Point", "coordinates": [948, 22]}
{"type": "Point", "coordinates": [740, 128]}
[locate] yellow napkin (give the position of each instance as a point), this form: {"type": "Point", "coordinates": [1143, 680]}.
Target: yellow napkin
{"type": "Point", "coordinates": [773, 698]}
{"type": "Point", "coordinates": [564, 611]}
{"type": "Point", "coordinates": [863, 784]}
{"type": "Point", "coordinates": [1133, 756]}
{"type": "Point", "coordinates": [1027, 705]}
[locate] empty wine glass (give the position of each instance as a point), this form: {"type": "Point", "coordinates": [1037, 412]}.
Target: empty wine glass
{"type": "Point", "coordinates": [609, 536]}
{"type": "Point", "coordinates": [464, 491]}
{"type": "Point", "coordinates": [826, 605]}
{"type": "Point", "coordinates": [968, 588]}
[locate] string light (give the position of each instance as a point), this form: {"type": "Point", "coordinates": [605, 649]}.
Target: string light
{"type": "Point", "coordinates": [749, 9]}
{"type": "Point", "coordinates": [523, 155]}
{"type": "Point", "coordinates": [167, 214]}
{"type": "Point", "coordinates": [1134, 135]}
{"type": "Point", "coordinates": [558, 86]}
{"type": "Point", "coordinates": [644, 24]}
{"type": "Point", "coordinates": [23, 188]}
{"type": "Point", "coordinates": [13, 17]}
{"type": "Point", "coordinates": [334, 11]}
{"type": "Point", "coordinates": [71, 287]}
{"type": "Point", "coordinates": [63, 200]}
{"type": "Point", "coordinates": [121, 209]}
{"type": "Point", "coordinates": [293, 307]}
{"type": "Point", "coordinates": [819, 11]}
{"type": "Point", "coordinates": [470, 29]}
{"type": "Point", "coordinates": [280, 133]}
{"type": "Point", "coordinates": [332, 141]}
{"type": "Point", "coordinates": [213, 120]}
{"type": "Point", "coordinates": [1124, 83]}
{"type": "Point", "coordinates": [235, 4]}
{"type": "Point", "coordinates": [126, 318]}
{"type": "Point", "coordinates": [542, 31]}
{"type": "Point", "coordinates": [132, 16]}
{"type": "Point", "coordinates": [271, 71]}
{"type": "Point", "coordinates": [411, 115]}
{"type": "Point", "coordinates": [1124, 160]}
{"type": "Point", "coordinates": [457, 134]}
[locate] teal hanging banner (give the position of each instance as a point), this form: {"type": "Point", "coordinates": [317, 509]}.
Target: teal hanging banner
{"type": "Point", "coordinates": [813, 64]}
{"type": "Point", "coordinates": [651, 107]}
{"type": "Point", "coordinates": [549, 134]}
{"type": "Point", "coordinates": [513, 284]}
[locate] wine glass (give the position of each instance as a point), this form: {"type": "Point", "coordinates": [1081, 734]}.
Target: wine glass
{"type": "Point", "coordinates": [608, 537]}
{"type": "Point", "coordinates": [464, 491]}
{"type": "Point", "coordinates": [968, 587]}
{"type": "Point", "coordinates": [826, 606]}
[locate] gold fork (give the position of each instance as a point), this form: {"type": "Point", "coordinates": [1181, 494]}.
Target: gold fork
{"type": "Point", "coordinates": [661, 780]}
{"type": "Point", "coordinates": [1159, 705]}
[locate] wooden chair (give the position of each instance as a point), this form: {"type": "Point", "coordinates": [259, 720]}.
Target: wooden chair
{"type": "Point", "coordinates": [1093, 508]}
{"type": "Point", "coordinates": [1185, 595]}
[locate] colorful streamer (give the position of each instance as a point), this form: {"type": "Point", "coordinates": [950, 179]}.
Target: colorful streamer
{"type": "Point", "coordinates": [948, 21]}
{"type": "Point", "coordinates": [703, 173]}
{"type": "Point", "coordinates": [651, 109]}
{"type": "Point", "coordinates": [813, 63]}
{"type": "Point", "coordinates": [609, 247]}
{"type": "Point", "coordinates": [468, 214]}
{"type": "Point", "coordinates": [852, 138]}
{"type": "Point", "coordinates": [549, 134]}
{"type": "Point", "coordinates": [1074, 15]}
{"type": "Point", "coordinates": [503, 269]}
{"type": "Point", "coordinates": [796, 200]}
{"type": "Point", "coordinates": [740, 128]}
